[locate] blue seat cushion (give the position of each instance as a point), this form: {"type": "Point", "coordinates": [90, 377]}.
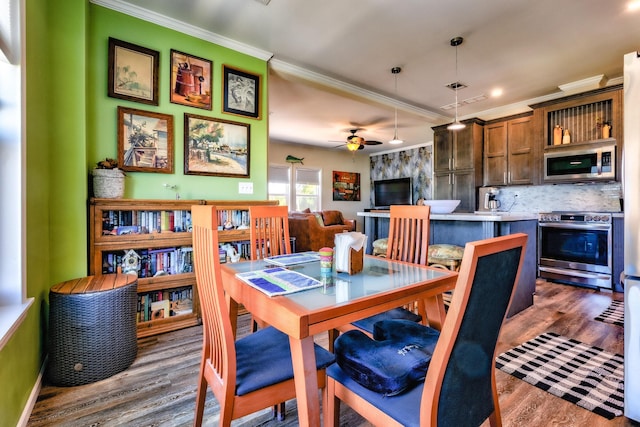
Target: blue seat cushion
{"type": "Point", "coordinates": [264, 358]}
{"type": "Point", "coordinates": [404, 407]}
{"type": "Point", "coordinates": [395, 361]}
{"type": "Point", "coordinates": [367, 323]}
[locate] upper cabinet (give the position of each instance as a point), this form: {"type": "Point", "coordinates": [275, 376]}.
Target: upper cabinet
{"type": "Point", "coordinates": [457, 158]}
{"type": "Point", "coordinates": [509, 151]}
{"type": "Point", "coordinates": [587, 118]}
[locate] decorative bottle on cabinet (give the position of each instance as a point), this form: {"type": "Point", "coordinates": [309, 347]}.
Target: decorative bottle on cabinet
{"type": "Point", "coordinates": [557, 135]}
{"type": "Point", "coordinates": [606, 130]}
{"type": "Point", "coordinates": [566, 138]}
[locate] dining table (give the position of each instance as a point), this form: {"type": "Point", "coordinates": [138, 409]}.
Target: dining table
{"type": "Point", "coordinates": [341, 299]}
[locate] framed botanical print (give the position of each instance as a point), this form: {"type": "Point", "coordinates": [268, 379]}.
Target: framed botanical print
{"type": "Point", "coordinates": [133, 72]}
{"type": "Point", "coordinates": [145, 141]}
{"type": "Point", "coordinates": [190, 80]}
{"type": "Point", "coordinates": [241, 92]}
{"type": "Point", "coordinates": [215, 147]}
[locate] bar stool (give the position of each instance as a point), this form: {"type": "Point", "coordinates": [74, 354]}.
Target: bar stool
{"type": "Point", "coordinates": [380, 247]}
{"type": "Point", "coordinates": [445, 256]}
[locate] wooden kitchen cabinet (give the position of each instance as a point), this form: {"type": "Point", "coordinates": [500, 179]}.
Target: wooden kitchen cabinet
{"type": "Point", "coordinates": [457, 163]}
{"type": "Point", "coordinates": [509, 152]}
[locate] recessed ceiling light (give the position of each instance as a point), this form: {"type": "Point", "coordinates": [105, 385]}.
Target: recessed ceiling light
{"type": "Point", "coordinates": [633, 5]}
{"type": "Point", "coordinates": [495, 93]}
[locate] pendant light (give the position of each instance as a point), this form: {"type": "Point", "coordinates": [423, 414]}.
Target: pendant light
{"type": "Point", "coordinates": [395, 71]}
{"type": "Point", "coordinates": [455, 42]}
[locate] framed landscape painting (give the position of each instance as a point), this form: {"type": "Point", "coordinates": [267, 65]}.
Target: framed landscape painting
{"type": "Point", "coordinates": [145, 141]}
{"type": "Point", "coordinates": [133, 72]}
{"type": "Point", "coordinates": [241, 92]}
{"type": "Point", "coordinates": [215, 147]}
{"type": "Point", "coordinates": [190, 80]}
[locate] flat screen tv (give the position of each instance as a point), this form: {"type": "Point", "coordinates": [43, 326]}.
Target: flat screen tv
{"type": "Point", "coordinates": [387, 192]}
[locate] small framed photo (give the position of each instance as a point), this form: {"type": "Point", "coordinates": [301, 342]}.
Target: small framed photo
{"type": "Point", "coordinates": [215, 147]}
{"type": "Point", "coordinates": [133, 72]}
{"type": "Point", "coordinates": [241, 93]}
{"type": "Point", "coordinates": [190, 80]}
{"type": "Point", "coordinates": [145, 141]}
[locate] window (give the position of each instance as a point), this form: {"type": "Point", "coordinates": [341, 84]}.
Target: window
{"type": "Point", "coordinates": [307, 194]}
{"type": "Point", "coordinates": [12, 297]}
{"type": "Point", "coordinates": [278, 185]}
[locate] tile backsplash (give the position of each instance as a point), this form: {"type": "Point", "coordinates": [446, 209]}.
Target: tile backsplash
{"type": "Point", "coordinates": [561, 197]}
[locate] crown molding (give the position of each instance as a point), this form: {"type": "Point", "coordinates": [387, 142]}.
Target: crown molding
{"type": "Point", "coordinates": [183, 27]}
{"type": "Point", "coordinates": [344, 87]}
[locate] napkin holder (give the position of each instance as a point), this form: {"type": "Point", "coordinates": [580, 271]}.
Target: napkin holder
{"type": "Point", "coordinates": [356, 261]}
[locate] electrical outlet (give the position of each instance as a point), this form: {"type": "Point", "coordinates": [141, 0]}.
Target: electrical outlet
{"type": "Point", "coordinates": [245, 187]}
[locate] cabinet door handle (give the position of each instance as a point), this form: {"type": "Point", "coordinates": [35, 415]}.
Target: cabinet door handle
{"type": "Point", "coordinates": [509, 177]}
{"type": "Point", "coordinates": [504, 179]}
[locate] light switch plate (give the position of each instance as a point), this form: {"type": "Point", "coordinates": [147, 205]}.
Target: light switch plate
{"type": "Point", "coordinates": [245, 187]}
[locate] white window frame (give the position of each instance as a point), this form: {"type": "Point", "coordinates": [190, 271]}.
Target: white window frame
{"type": "Point", "coordinates": [318, 196]}
{"type": "Point", "coordinates": [13, 301]}
{"type": "Point", "coordinates": [276, 173]}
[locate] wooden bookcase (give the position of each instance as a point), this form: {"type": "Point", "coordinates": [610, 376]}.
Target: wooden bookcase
{"type": "Point", "coordinates": [159, 233]}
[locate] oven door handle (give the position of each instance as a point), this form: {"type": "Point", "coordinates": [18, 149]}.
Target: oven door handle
{"type": "Point", "coordinates": [597, 227]}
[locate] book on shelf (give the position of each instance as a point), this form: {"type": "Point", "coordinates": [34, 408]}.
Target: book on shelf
{"type": "Point", "coordinates": [293, 259]}
{"type": "Point", "coordinates": [278, 281]}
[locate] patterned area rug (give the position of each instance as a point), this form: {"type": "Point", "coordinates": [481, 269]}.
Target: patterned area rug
{"type": "Point", "coordinates": [613, 314]}
{"type": "Point", "coordinates": [587, 376]}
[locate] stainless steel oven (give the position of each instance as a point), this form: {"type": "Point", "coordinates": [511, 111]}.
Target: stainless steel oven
{"type": "Point", "coordinates": [575, 247]}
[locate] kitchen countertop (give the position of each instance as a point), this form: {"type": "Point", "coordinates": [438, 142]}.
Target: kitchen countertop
{"type": "Point", "coordinates": [467, 216]}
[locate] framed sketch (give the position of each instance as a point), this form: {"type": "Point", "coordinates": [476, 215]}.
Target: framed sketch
{"type": "Point", "coordinates": [133, 72]}
{"type": "Point", "coordinates": [145, 141]}
{"type": "Point", "coordinates": [346, 186]}
{"type": "Point", "coordinates": [241, 93]}
{"type": "Point", "coordinates": [215, 147]}
{"type": "Point", "coordinates": [190, 80]}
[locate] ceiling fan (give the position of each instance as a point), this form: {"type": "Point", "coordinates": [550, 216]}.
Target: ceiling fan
{"type": "Point", "coordinates": [355, 142]}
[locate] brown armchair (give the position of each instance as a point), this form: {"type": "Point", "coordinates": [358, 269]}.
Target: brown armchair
{"type": "Point", "coordinates": [315, 230]}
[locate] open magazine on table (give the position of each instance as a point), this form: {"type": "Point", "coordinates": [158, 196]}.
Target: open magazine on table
{"type": "Point", "coordinates": [278, 281]}
{"type": "Point", "coordinates": [293, 259]}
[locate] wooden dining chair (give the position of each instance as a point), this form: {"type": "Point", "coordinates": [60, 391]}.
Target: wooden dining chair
{"type": "Point", "coordinates": [269, 231]}
{"type": "Point", "coordinates": [460, 385]}
{"type": "Point", "coordinates": [408, 241]}
{"type": "Point", "coordinates": [252, 373]}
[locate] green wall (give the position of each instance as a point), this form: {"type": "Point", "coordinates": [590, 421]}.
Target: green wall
{"type": "Point", "coordinates": [102, 116]}
{"type": "Point", "coordinates": [70, 125]}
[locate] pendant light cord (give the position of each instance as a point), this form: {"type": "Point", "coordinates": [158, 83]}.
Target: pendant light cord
{"type": "Point", "coordinates": [395, 71]}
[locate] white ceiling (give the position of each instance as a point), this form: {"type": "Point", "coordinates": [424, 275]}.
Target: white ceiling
{"type": "Point", "coordinates": [330, 61]}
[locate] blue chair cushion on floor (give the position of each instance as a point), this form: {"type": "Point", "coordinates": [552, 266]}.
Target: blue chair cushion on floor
{"type": "Point", "coordinates": [394, 361]}
{"type": "Point", "coordinates": [367, 323]}
{"type": "Point", "coordinates": [404, 408]}
{"type": "Point", "coordinates": [264, 358]}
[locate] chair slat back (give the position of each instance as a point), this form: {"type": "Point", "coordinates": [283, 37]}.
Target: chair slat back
{"type": "Point", "coordinates": [218, 345]}
{"type": "Point", "coordinates": [460, 386]}
{"type": "Point", "coordinates": [409, 233]}
{"type": "Point", "coordinates": [269, 231]}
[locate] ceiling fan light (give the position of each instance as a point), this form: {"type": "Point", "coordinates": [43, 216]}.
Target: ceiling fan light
{"type": "Point", "coordinates": [353, 146]}
{"type": "Point", "coordinates": [396, 141]}
{"type": "Point", "coordinates": [456, 126]}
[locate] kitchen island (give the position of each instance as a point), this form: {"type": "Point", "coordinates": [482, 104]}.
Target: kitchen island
{"type": "Point", "coordinates": [460, 228]}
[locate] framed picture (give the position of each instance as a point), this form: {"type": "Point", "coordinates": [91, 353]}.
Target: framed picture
{"type": "Point", "coordinates": [215, 147]}
{"type": "Point", "coordinates": [133, 72]}
{"type": "Point", "coordinates": [346, 186]}
{"type": "Point", "coordinates": [190, 80]}
{"type": "Point", "coordinates": [241, 94]}
{"type": "Point", "coordinates": [145, 141]}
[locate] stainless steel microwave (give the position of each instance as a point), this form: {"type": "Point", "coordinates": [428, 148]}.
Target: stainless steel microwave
{"type": "Point", "coordinates": [580, 163]}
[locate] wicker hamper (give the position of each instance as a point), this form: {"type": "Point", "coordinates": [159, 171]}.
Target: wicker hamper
{"type": "Point", "coordinates": [92, 330]}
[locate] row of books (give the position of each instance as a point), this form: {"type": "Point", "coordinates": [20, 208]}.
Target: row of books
{"type": "Point", "coordinates": [165, 303]}
{"type": "Point", "coordinates": [233, 218]}
{"type": "Point", "coordinates": [150, 262]}
{"type": "Point", "coordinates": [142, 222]}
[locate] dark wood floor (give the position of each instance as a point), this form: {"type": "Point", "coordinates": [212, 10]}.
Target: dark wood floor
{"type": "Point", "coordinates": [159, 388]}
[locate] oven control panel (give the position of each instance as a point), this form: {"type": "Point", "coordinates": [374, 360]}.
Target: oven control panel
{"type": "Point", "coordinates": [578, 217]}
